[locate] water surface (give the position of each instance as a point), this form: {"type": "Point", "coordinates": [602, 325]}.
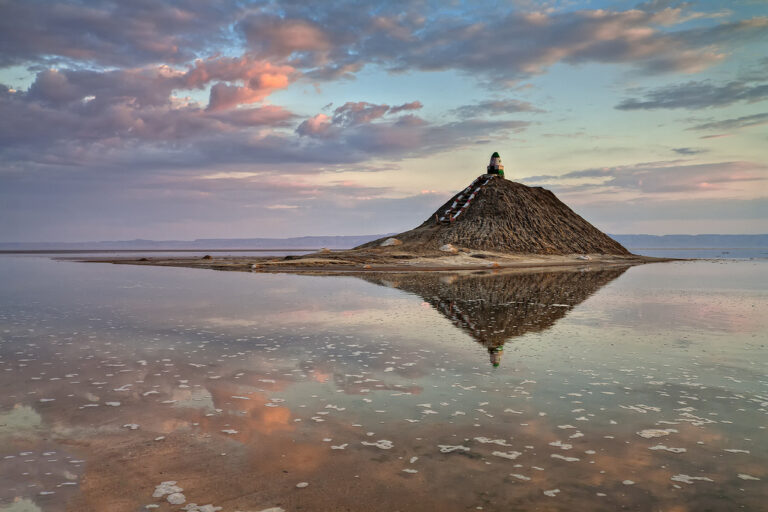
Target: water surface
{"type": "Point", "coordinates": [637, 389]}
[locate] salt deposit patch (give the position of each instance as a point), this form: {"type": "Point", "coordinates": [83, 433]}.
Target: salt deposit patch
{"type": "Point", "coordinates": [563, 457]}
{"type": "Point", "coordinates": [656, 432]}
{"type": "Point", "coordinates": [512, 455]}
{"type": "Point", "coordinates": [447, 448]}
{"type": "Point", "coordinates": [667, 448]}
{"type": "Point", "coordinates": [384, 444]}
{"type": "Point", "coordinates": [164, 488]}
{"type": "Point", "coordinates": [486, 440]}
{"type": "Point", "coordinates": [687, 479]}
{"type": "Point", "coordinates": [176, 498]}
{"type": "Point", "coordinates": [194, 507]}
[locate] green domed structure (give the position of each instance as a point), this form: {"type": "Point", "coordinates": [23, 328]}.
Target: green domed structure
{"type": "Point", "coordinates": [495, 166]}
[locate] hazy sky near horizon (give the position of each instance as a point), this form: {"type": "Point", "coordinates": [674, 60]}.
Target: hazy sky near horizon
{"type": "Point", "coordinates": [180, 119]}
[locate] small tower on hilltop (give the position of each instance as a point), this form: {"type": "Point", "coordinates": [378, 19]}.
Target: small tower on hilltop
{"type": "Point", "coordinates": [495, 167]}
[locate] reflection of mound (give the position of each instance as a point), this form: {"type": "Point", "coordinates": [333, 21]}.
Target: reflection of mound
{"type": "Point", "coordinates": [493, 308]}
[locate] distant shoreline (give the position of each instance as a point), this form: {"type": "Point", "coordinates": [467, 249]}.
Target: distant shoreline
{"type": "Point", "coordinates": [92, 251]}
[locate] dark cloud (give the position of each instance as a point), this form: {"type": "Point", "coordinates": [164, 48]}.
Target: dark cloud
{"type": "Point", "coordinates": [694, 95]}
{"type": "Point", "coordinates": [689, 151]}
{"type": "Point", "coordinates": [494, 108]}
{"type": "Point", "coordinates": [110, 33]}
{"type": "Point", "coordinates": [734, 124]}
{"type": "Point", "coordinates": [65, 109]}
{"type": "Point", "coordinates": [492, 43]}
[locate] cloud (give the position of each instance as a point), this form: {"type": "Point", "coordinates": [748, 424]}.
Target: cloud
{"type": "Point", "coordinates": [110, 33]}
{"type": "Point", "coordinates": [734, 124]}
{"type": "Point", "coordinates": [316, 126]}
{"type": "Point", "coordinates": [361, 112]}
{"type": "Point", "coordinates": [256, 73]}
{"type": "Point", "coordinates": [363, 130]}
{"type": "Point", "coordinates": [660, 177]}
{"type": "Point", "coordinates": [68, 111]}
{"type": "Point", "coordinates": [697, 94]}
{"type": "Point", "coordinates": [689, 151]}
{"type": "Point", "coordinates": [497, 46]}
{"type": "Point", "coordinates": [494, 108]}
{"type": "Point", "coordinates": [225, 96]}
{"type": "Point", "coordinates": [280, 37]}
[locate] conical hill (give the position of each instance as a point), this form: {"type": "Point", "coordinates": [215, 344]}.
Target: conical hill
{"type": "Point", "coordinates": [495, 214]}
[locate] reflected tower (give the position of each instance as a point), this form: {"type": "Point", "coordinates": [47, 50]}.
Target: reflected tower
{"type": "Point", "coordinates": [496, 307]}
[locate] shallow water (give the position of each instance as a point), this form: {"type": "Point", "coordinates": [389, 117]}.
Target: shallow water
{"type": "Point", "coordinates": [635, 389]}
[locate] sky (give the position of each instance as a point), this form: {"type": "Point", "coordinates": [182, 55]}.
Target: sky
{"type": "Point", "coordinates": [184, 119]}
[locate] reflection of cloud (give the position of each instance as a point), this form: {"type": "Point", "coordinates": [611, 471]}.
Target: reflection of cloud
{"type": "Point", "coordinates": [250, 418]}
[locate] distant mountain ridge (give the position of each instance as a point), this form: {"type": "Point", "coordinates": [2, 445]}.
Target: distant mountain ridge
{"type": "Point", "coordinates": [302, 242]}
{"type": "Point", "coordinates": [349, 241]}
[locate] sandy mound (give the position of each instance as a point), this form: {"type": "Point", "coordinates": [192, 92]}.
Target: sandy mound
{"type": "Point", "coordinates": [495, 214]}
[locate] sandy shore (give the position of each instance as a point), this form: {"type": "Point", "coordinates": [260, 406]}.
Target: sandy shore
{"type": "Point", "coordinates": [387, 260]}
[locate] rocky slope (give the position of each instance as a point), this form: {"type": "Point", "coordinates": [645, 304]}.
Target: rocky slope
{"type": "Point", "coordinates": [504, 216]}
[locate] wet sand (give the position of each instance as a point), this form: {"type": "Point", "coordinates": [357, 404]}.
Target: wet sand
{"type": "Point", "coordinates": [389, 260]}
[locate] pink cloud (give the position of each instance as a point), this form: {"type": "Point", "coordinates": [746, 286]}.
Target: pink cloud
{"type": "Point", "coordinates": [225, 96]}
{"type": "Point", "coordinates": [256, 72]}
{"type": "Point", "coordinates": [259, 78]}
{"type": "Point", "coordinates": [316, 126]}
